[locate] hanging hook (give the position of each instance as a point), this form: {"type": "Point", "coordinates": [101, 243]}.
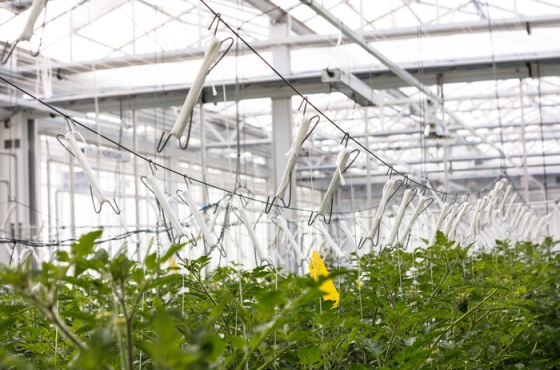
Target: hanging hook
{"type": "Point", "coordinates": [303, 103]}
{"type": "Point", "coordinates": [153, 168]}
{"type": "Point", "coordinates": [27, 32]}
{"type": "Point", "coordinates": [61, 137]}
{"type": "Point", "coordinates": [223, 53]}
{"type": "Point", "coordinates": [311, 218]}
{"type": "Point", "coordinates": [192, 241]}
{"type": "Point", "coordinates": [346, 137]}
{"type": "Point", "coordinates": [70, 122]}
{"type": "Point", "coordinates": [162, 144]}
{"type": "Point", "coordinates": [314, 126]}
{"type": "Point", "coordinates": [187, 180]}
{"type": "Point", "coordinates": [114, 206]}
{"type": "Point", "coordinates": [357, 151]}
{"type": "Point", "coordinates": [217, 18]}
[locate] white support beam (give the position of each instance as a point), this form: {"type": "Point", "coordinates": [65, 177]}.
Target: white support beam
{"type": "Point", "coordinates": [351, 86]}
{"type": "Point", "coordinates": [359, 40]}
{"type": "Point", "coordinates": [308, 40]}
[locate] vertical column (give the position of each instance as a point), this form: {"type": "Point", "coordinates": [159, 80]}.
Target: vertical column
{"type": "Point", "coordinates": [20, 204]}
{"type": "Point", "coordinates": [282, 126]}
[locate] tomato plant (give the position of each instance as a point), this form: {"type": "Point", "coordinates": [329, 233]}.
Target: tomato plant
{"type": "Point", "coordinates": [443, 306]}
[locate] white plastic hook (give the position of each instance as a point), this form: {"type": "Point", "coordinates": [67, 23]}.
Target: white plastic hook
{"type": "Point", "coordinates": [452, 214]}
{"type": "Point", "coordinates": [88, 171]}
{"type": "Point", "coordinates": [153, 185]}
{"type": "Point", "coordinates": [530, 227]}
{"type": "Point", "coordinates": [543, 222]}
{"type": "Point", "coordinates": [520, 212]}
{"type": "Point", "coordinates": [445, 210]}
{"type": "Point", "coordinates": [475, 220]}
{"type": "Point", "coordinates": [407, 197]}
{"type": "Point", "coordinates": [346, 230]}
{"type": "Point", "coordinates": [330, 241]}
{"type": "Point", "coordinates": [510, 206]}
{"type": "Point", "coordinates": [337, 179]}
{"type": "Point", "coordinates": [212, 51]}
{"type": "Point", "coordinates": [505, 198]}
{"type": "Point", "coordinates": [422, 200]}
{"type": "Point", "coordinates": [208, 237]}
{"type": "Point", "coordinates": [36, 8]}
{"type": "Point", "coordinates": [242, 214]}
{"type": "Point", "coordinates": [464, 208]}
{"type": "Point", "coordinates": [288, 236]}
{"type": "Point", "coordinates": [297, 144]}
{"type": "Point", "coordinates": [388, 190]}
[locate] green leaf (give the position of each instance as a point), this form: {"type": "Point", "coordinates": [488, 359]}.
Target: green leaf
{"type": "Point", "coordinates": [236, 342]}
{"type": "Point", "coordinates": [86, 243]}
{"type": "Point", "coordinates": [62, 256]}
{"type": "Point", "coordinates": [309, 355]}
{"type": "Point", "coordinates": [138, 275]}
{"type": "Point", "coordinates": [170, 252]}
{"type": "Point", "coordinates": [151, 262]}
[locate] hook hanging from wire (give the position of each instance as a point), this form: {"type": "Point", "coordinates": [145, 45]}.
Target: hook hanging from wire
{"type": "Point", "coordinates": [244, 218]}
{"type": "Point", "coordinates": [406, 199]}
{"type": "Point", "coordinates": [423, 204]}
{"type": "Point", "coordinates": [286, 182]}
{"type": "Point", "coordinates": [287, 236]}
{"type": "Point", "coordinates": [327, 203]}
{"type": "Point", "coordinates": [185, 197]}
{"type": "Point", "coordinates": [152, 184]}
{"type": "Point", "coordinates": [330, 241]}
{"type": "Point", "coordinates": [95, 188]}
{"type": "Point", "coordinates": [27, 32]}
{"type": "Point", "coordinates": [389, 190]}
{"type": "Point", "coordinates": [211, 58]}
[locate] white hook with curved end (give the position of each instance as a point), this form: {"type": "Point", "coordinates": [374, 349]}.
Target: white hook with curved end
{"type": "Point", "coordinates": [245, 220]}
{"type": "Point", "coordinates": [189, 201]}
{"type": "Point", "coordinates": [288, 236]}
{"type": "Point", "coordinates": [337, 179]}
{"type": "Point", "coordinates": [476, 218]}
{"type": "Point", "coordinates": [520, 213]}
{"type": "Point", "coordinates": [153, 185]}
{"type": "Point", "coordinates": [422, 200]}
{"type": "Point", "coordinates": [445, 210]}
{"type": "Point", "coordinates": [210, 55]}
{"type": "Point", "coordinates": [523, 222]}
{"type": "Point", "coordinates": [27, 31]}
{"type": "Point", "coordinates": [407, 197]}
{"type": "Point", "coordinates": [509, 189]}
{"type": "Point", "coordinates": [346, 230]}
{"type": "Point", "coordinates": [452, 214]}
{"type": "Point", "coordinates": [530, 227]}
{"type": "Point", "coordinates": [388, 190]}
{"type": "Point", "coordinates": [464, 208]}
{"type": "Point", "coordinates": [297, 144]}
{"type": "Point", "coordinates": [88, 171]}
{"type": "Point", "coordinates": [330, 241]}
{"type": "Point", "coordinates": [510, 206]}
{"type": "Point", "coordinates": [36, 8]}
{"type": "Point", "coordinates": [543, 222]}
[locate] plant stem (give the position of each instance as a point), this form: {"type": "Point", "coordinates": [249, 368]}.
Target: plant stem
{"type": "Point", "coordinates": [454, 323]}
{"type": "Point", "coordinates": [52, 315]}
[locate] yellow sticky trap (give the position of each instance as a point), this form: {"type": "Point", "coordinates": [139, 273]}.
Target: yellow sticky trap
{"type": "Point", "coordinates": [317, 268]}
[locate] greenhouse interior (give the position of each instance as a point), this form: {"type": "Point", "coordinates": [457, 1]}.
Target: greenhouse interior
{"type": "Point", "coordinates": [184, 153]}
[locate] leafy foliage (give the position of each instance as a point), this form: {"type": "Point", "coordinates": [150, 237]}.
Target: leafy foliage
{"type": "Point", "coordinates": [441, 306]}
